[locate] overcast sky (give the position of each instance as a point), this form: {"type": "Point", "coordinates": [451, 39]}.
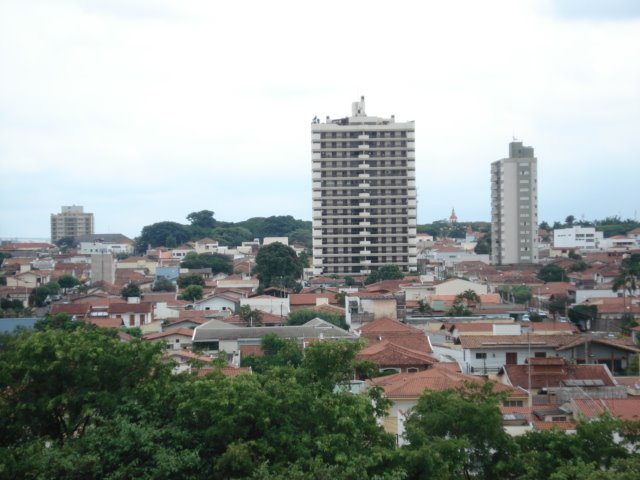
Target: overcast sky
{"type": "Point", "coordinates": [147, 110]}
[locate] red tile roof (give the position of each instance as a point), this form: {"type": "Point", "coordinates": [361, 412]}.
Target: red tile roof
{"type": "Point", "coordinates": [184, 332]}
{"type": "Point", "coordinates": [104, 322]}
{"type": "Point", "coordinates": [412, 385]}
{"type": "Point", "coordinates": [554, 373]}
{"type": "Point", "coordinates": [497, 341]}
{"type": "Point", "coordinates": [390, 354]}
{"type": "Point", "coordinates": [119, 308]}
{"type": "Point", "coordinates": [297, 299]}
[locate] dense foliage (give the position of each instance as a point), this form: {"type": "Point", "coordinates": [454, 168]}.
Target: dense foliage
{"type": "Point", "coordinates": [203, 224]}
{"type": "Point", "coordinates": [278, 265]}
{"type": "Point", "coordinates": [77, 403]}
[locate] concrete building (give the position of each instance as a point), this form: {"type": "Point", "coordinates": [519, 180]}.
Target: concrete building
{"type": "Point", "coordinates": [71, 222]}
{"type": "Point", "coordinates": [582, 238]}
{"type": "Point", "coordinates": [514, 207]}
{"type": "Point", "coordinates": [364, 194]}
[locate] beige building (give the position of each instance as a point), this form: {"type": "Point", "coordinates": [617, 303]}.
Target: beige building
{"type": "Point", "coordinates": [514, 207]}
{"type": "Point", "coordinates": [71, 222]}
{"type": "Point", "coordinates": [364, 194]}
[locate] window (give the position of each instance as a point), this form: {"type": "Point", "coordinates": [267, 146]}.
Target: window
{"type": "Point", "coordinates": [480, 356]}
{"type": "Point", "coordinates": [513, 403]}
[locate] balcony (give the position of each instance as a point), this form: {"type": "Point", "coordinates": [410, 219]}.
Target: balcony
{"type": "Point", "coordinates": [365, 242]}
{"type": "Point", "coordinates": [363, 147]}
{"type": "Point", "coordinates": [364, 185]}
{"type": "Point", "coordinates": [364, 214]}
{"type": "Point", "coordinates": [364, 194]}
{"type": "Point", "coordinates": [364, 205]}
{"type": "Point", "coordinates": [364, 156]}
{"type": "Point", "coordinates": [365, 233]}
{"type": "Point", "coordinates": [365, 252]}
{"type": "Point", "coordinates": [363, 137]}
{"type": "Point", "coordinates": [365, 223]}
{"type": "Point", "coordinates": [363, 166]}
{"type": "Point", "coordinates": [363, 175]}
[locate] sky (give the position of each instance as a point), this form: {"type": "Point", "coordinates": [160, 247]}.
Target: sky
{"type": "Point", "coordinates": [147, 110]}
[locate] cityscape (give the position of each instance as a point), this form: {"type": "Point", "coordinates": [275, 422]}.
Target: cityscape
{"type": "Point", "coordinates": [218, 261]}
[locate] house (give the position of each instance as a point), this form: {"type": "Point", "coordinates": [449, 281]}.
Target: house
{"type": "Point", "coordinates": [217, 336]}
{"type": "Point", "coordinates": [30, 279]}
{"type": "Point", "coordinates": [552, 380]}
{"type": "Point", "coordinates": [456, 286]}
{"type": "Point", "coordinates": [483, 355]}
{"type": "Point", "coordinates": [393, 357]}
{"type": "Point", "coordinates": [615, 352]}
{"type": "Point", "coordinates": [404, 390]}
{"type": "Point", "coordinates": [132, 314]}
{"type": "Point", "coordinates": [299, 301]}
{"type": "Point", "coordinates": [268, 304]}
{"type": "Point", "coordinates": [363, 307]}
{"type": "Point", "coordinates": [386, 329]}
{"type": "Point", "coordinates": [175, 339]}
{"type": "Point", "coordinates": [220, 302]}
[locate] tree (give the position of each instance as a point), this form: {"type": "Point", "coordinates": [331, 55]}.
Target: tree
{"type": "Point", "coordinates": [68, 281]}
{"type": "Point", "coordinates": [469, 296]}
{"type": "Point", "coordinates": [300, 317]}
{"type": "Point", "coordinates": [163, 284]}
{"type": "Point", "coordinates": [458, 309]}
{"type": "Point", "coordinates": [130, 290]}
{"type": "Point", "coordinates": [217, 262]}
{"type": "Point", "coordinates": [545, 226]}
{"type": "Point", "coordinates": [202, 219]}
{"type": "Point", "coordinates": [190, 279]}
{"type": "Point", "coordinates": [157, 234]}
{"type": "Point", "coordinates": [569, 220]}
{"type": "Point", "coordinates": [578, 266]}
{"type": "Point", "coordinates": [278, 352]}
{"type": "Point", "coordinates": [558, 304]}
{"type": "Point", "coordinates": [483, 247]}
{"type": "Point", "coordinates": [551, 273]}
{"type": "Point", "coordinates": [521, 293]}
{"type": "Point", "coordinates": [424, 307]}
{"type": "Point", "coordinates": [63, 382]}
{"type": "Point", "coordinates": [386, 272]}
{"type": "Point", "coordinates": [581, 314]}
{"type": "Point", "coordinates": [627, 279]}
{"type": "Point", "coordinates": [253, 317]}
{"type": "Point", "coordinates": [42, 293]}
{"type": "Point", "coordinates": [457, 434]}
{"type": "Point", "coordinates": [278, 265]}
{"type": "Point", "coordinates": [65, 243]}
{"type": "Point", "coordinates": [192, 293]}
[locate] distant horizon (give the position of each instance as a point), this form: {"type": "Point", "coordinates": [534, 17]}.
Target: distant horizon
{"type": "Point", "coordinates": [19, 238]}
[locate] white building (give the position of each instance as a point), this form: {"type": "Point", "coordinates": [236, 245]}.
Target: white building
{"type": "Point", "coordinates": [582, 238]}
{"type": "Point", "coordinates": [364, 194]}
{"type": "Point", "coordinates": [514, 207]}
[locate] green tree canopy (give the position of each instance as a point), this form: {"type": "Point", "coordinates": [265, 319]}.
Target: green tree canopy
{"type": "Point", "coordinates": [192, 293]}
{"type": "Point", "coordinates": [130, 290]}
{"type": "Point", "coordinates": [190, 279]}
{"type": "Point", "coordinates": [163, 284]}
{"type": "Point", "coordinates": [157, 234]}
{"type": "Point", "coordinates": [68, 281]}
{"type": "Point", "coordinates": [552, 273]}
{"type": "Point", "coordinates": [202, 219]}
{"type": "Point", "coordinates": [217, 262]}
{"type": "Point", "coordinates": [386, 272]}
{"type": "Point", "coordinates": [302, 316]}
{"type": "Point", "coordinates": [278, 265]}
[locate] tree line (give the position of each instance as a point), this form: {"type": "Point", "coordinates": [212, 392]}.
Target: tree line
{"type": "Point", "coordinates": [203, 224]}
{"type": "Point", "coordinates": [77, 403]}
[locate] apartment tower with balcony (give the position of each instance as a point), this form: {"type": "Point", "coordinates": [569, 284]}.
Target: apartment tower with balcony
{"type": "Point", "coordinates": [364, 194]}
{"type": "Point", "coordinates": [72, 221]}
{"type": "Point", "coordinates": [514, 207]}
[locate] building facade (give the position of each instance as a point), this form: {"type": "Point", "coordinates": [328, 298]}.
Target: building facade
{"type": "Point", "coordinates": [364, 194]}
{"type": "Point", "coordinates": [514, 207]}
{"type": "Point", "coordinates": [582, 238]}
{"type": "Point", "coordinates": [71, 222]}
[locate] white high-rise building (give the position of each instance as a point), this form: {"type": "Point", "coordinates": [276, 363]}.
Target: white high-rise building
{"type": "Point", "coordinates": [514, 207]}
{"type": "Point", "coordinates": [364, 194]}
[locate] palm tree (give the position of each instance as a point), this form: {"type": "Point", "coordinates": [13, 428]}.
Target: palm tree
{"type": "Point", "coordinates": [470, 296]}
{"type": "Point", "coordinates": [627, 280]}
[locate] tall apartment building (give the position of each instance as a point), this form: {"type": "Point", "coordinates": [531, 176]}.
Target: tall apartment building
{"type": "Point", "coordinates": [514, 207]}
{"type": "Point", "coordinates": [71, 222]}
{"type": "Point", "coordinates": [364, 194]}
